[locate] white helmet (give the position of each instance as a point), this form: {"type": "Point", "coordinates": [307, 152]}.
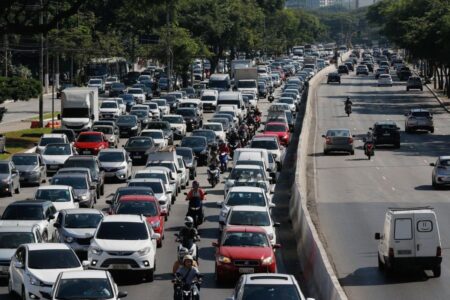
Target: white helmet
{"type": "Point", "coordinates": [188, 221]}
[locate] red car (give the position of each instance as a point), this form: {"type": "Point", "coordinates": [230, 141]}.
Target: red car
{"type": "Point", "coordinates": [279, 129]}
{"type": "Point", "coordinates": [148, 206]}
{"type": "Point", "coordinates": [244, 249]}
{"type": "Point", "coordinates": [91, 142]}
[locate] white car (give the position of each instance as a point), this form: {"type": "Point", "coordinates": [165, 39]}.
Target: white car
{"type": "Point", "coordinates": [169, 165]}
{"type": "Point", "coordinates": [35, 267]}
{"type": "Point", "coordinates": [138, 94]}
{"type": "Point", "coordinates": [159, 173]}
{"type": "Point", "coordinates": [97, 83]}
{"type": "Point", "coordinates": [51, 138]}
{"type": "Point", "coordinates": [243, 174]}
{"type": "Point", "coordinates": [243, 195]}
{"type": "Point", "coordinates": [109, 81]}
{"type": "Point", "coordinates": [249, 215]}
{"type": "Point", "coordinates": [116, 163]}
{"type": "Point", "coordinates": [122, 105]}
{"type": "Point", "coordinates": [177, 123]}
{"type": "Point", "coordinates": [163, 106]}
{"type": "Point", "coordinates": [109, 109]}
{"type": "Point", "coordinates": [62, 196]}
{"type": "Point", "coordinates": [158, 137]}
{"type": "Point", "coordinates": [385, 79]}
{"type": "Point", "coordinates": [124, 242]}
{"type": "Point", "coordinates": [163, 195]}
{"type": "Point", "coordinates": [11, 237]}
{"type": "Point", "coordinates": [290, 102]}
{"type": "Point", "coordinates": [217, 128]}
{"type": "Point", "coordinates": [55, 155]}
{"type": "Point", "coordinates": [88, 284]}
{"type": "Point", "coordinates": [184, 174]}
{"type": "Point", "coordinates": [209, 99]}
{"type": "Point", "coordinates": [252, 99]}
{"type": "Point", "coordinates": [271, 144]}
{"type": "Point", "coordinates": [154, 109]}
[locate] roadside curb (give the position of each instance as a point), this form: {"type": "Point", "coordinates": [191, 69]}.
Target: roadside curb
{"type": "Point", "coordinates": [438, 98]}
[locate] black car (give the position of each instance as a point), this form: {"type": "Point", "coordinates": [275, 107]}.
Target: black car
{"type": "Point", "coordinates": [129, 101]}
{"type": "Point", "coordinates": [71, 136]}
{"type": "Point", "coordinates": [343, 69]}
{"type": "Point", "coordinates": [404, 73]}
{"type": "Point", "coordinates": [191, 117]}
{"type": "Point", "coordinates": [91, 162]}
{"type": "Point", "coordinates": [349, 65]}
{"type": "Point", "coordinates": [369, 66]}
{"type": "Point", "coordinates": [189, 159]}
{"type": "Point", "coordinates": [171, 101]}
{"type": "Point", "coordinates": [334, 77]}
{"type": "Point", "coordinates": [165, 127]}
{"type": "Point", "coordinates": [117, 89]}
{"type": "Point", "coordinates": [142, 116]}
{"type": "Point", "coordinates": [138, 147]}
{"type": "Point", "coordinates": [131, 78]}
{"type": "Point", "coordinates": [386, 133]}
{"type": "Point", "coordinates": [209, 134]}
{"type": "Point", "coordinates": [199, 145]}
{"type": "Point", "coordinates": [414, 82]}
{"type": "Point", "coordinates": [128, 125]}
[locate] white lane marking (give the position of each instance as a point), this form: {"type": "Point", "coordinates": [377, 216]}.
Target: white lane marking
{"type": "Point", "coordinates": [377, 168]}
{"type": "Point", "coordinates": [384, 178]}
{"type": "Point", "coordinates": [393, 188]}
{"type": "Point", "coordinates": [425, 161]}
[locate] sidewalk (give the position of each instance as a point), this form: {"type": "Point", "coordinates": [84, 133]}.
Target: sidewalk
{"type": "Point", "coordinates": [438, 94]}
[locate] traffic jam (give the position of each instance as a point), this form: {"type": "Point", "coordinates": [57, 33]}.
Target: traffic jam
{"type": "Point", "coordinates": [157, 149]}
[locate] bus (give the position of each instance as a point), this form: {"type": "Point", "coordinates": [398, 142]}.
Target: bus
{"type": "Point", "coordinates": [106, 67]}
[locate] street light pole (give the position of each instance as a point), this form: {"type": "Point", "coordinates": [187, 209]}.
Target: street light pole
{"type": "Point", "coordinates": [41, 67]}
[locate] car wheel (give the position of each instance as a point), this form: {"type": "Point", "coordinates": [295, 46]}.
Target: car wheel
{"type": "Point", "coordinates": [380, 264]}
{"type": "Point", "coordinates": [11, 292]}
{"type": "Point", "coordinates": [437, 271]}
{"type": "Point", "coordinates": [102, 189]}
{"type": "Point", "coordinates": [219, 280]}
{"type": "Point", "coordinates": [432, 130]}
{"type": "Point", "coordinates": [159, 243]}
{"type": "Point", "coordinates": [17, 190]}
{"type": "Point", "coordinates": [407, 89]}
{"type": "Point", "coordinates": [434, 184]}
{"type": "Point", "coordinates": [325, 152]}
{"type": "Point", "coordinates": [352, 152]}
{"type": "Point", "coordinates": [98, 193]}
{"type": "Point", "coordinates": [10, 193]}
{"type": "Point", "coordinates": [149, 275]}
{"type": "Point", "coordinates": [23, 294]}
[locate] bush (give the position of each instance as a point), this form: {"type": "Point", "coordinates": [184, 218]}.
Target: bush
{"type": "Point", "coordinates": [17, 88]}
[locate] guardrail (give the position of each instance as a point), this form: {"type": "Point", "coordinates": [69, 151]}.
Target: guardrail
{"type": "Point", "coordinates": [321, 281]}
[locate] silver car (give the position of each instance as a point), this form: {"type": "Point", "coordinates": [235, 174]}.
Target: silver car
{"type": "Point", "coordinates": [116, 163]}
{"type": "Point", "coordinates": [9, 178]}
{"type": "Point", "coordinates": [441, 172]}
{"type": "Point", "coordinates": [31, 167]}
{"type": "Point", "coordinates": [338, 139]}
{"type": "Point", "coordinates": [419, 119]}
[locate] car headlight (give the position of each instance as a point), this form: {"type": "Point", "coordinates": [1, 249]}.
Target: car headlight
{"type": "Point", "coordinates": [144, 251]}
{"type": "Point", "coordinates": [134, 128]}
{"type": "Point", "coordinates": [96, 251]}
{"type": "Point", "coordinates": [121, 168]}
{"type": "Point", "coordinates": [224, 259]}
{"type": "Point", "coordinates": [267, 260]}
{"type": "Point", "coordinates": [5, 180]}
{"type": "Point", "coordinates": [84, 197]}
{"type": "Point", "coordinates": [156, 224]}
{"type": "Point", "coordinates": [35, 281]}
{"type": "Point", "coordinates": [68, 239]}
{"type": "Point", "coordinates": [111, 139]}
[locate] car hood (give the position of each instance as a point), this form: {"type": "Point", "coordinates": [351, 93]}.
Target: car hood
{"type": "Point", "coordinates": [6, 254]}
{"type": "Point", "coordinates": [49, 276]}
{"type": "Point", "coordinates": [4, 176]}
{"type": "Point", "coordinates": [120, 245]}
{"type": "Point", "coordinates": [55, 159]}
{"type": "Point", "coordinates": [75, 121]}
{"type": "Point", "coordinates": [64, 205]}
{"type": "Point", "coordinates": [444, 172]}
{"type": "Point", "coordinates": [111, 164]}
{"type": "Point", "coordinates": [246, 252]}
{"type": "Point", "coordinates": [79, 232]}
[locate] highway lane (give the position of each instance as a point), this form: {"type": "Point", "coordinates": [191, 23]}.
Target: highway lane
{"type": "Point", "coordinates": [352, 194]}
{"type": "Point", "coordinates": [161, 288]}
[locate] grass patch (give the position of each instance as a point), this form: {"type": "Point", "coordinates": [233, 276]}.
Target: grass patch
{"type": "Point", "coordinates": [46, 116]}
{"type": "Point", "coordinates": [22, 140]}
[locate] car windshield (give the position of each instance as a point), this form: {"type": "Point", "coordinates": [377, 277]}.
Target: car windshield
{"type": "Point", "coordinates": [245, 239]}
{"type": "Point", "coordinates": [245, 198]}
{"type": "Point", "coordinates": [186, 112]}
{"type": "Point", "coordinates": [104, 129]}
{"type": "Point", "coordinates": [12, 240]}
{"type": "Point", "coordinates": [129, 120]}
{"type": "Point", "coordinates": [168, 165]}
{"type": "Point", "coordinates": [193, 142]}
{"type": "Point", "coordinates": [84, 288]}
{"type": "Point", "coordinates": [75, 182]}
{"type": "Point", "coordinates": [126, 97]}
{"type": "Point", "coordinates": [25, 160]}
{"type": "Point", "coordinates": [89, 138]}
{"type": "Point", "coordinates": [109, 105]}
{"type": "Point", "coordinates": [186, 153]}
{"type": "Point", "coordinates": [420, 114]}
{"type": "Point", "coordinates": [135, 91]}
{"type": "Point", "coordinates": [95, 81]}
{"type": "Point", "coordinates": [122, 231]}
{"type": "Point", "coordinates": [275, 127]}
{"type": "Point", "coordinates": [338, 133]}
{"type": "Point", "coordinates": [209, 135]}
{"type": "Point", "coordinates": [249, 218]}
{"type": "Point", "coordinates": [264, 144]}
{"type": "Point", "coordinates": [270, 292]}
{"type": "Point", "coordinates": [152, 105]}
{"type": "Point", "coordinates": [286, 100]}
{"type": "Point", "coordinates": [57, 149]}
{"type": "Point", "coordinates": [50, 140]}
{"type": "Point", "coordinates": [208, 98]}
{"type": "Point", "coordinates": [53, 259]}
{"type": "Point", "coordinates": [81, 220]}
{"type": "Point", "coordinates": [153, 134]}
{"type": "Point", "coordinates": [23, 212]}
{"type": "Point", "coordinates": [54, 195]}
{"type": "Point", "coordinates": [173, 120]}
{"type": "Point", "coordinates": [111, 156]}
{"type": "Point", "coordinates": [245, 174]}
{"type": "Point", "coordinates": [139, 113]}
{"type": "Point", "coordinates": [156, 186]}
{"type": "Point", "coordinates": [158, 125]}
{"type": "Point", "coordinates": [140, 142]}
{"type": "Point", "coordinates": [160, 102]}
{"type": "Point", "coordinates": [146, 208]}
{"type": "Point", "coordinates": [117, 85]}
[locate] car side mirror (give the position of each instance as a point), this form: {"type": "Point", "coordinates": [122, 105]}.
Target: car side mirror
{"type": "Point", "coordinates": [122, 294]}
{"type": "Point", "coordinates": [109, 202]}
{"type": "Point", "coordinates": [215, 244]}
{"type": "Point", "coordinates": [276, 224]}
{"type": "Point", "coordinates": [85, 264]}
{"type": "Point", "coordinates": [323, 135]}
{"type": "Point", "coordinates": [18, 265]}
{"type": "Point", "coordinates": [185, 193]}
{"type": "Point", "coordinates": [377, 236]}
{"type": "Point", "coordinates": [57, 225]}
{"type": "Point", "coordinates": [156, 236]}
{"type": "Point", "coordinates": [432, 164]}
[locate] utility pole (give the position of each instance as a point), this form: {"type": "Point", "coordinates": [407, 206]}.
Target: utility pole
{"type": "Point", "coordinates": [56, 75]}
{"type": "Point", "coordinates": [168, 50]}
{"type": "Point", "coordinates": [41, 67]}
{"type": "Point", "coordinates": [5, 56]}
{"type": "Point", "coordinates": [47, 71]}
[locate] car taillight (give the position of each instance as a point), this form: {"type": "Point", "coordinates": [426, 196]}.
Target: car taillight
{"type": "Point", "coordinates": [391, 252]}
{"type": "Point", "coordinates": [439, 251]}
{"type": "Point", "coordinates": [328, 141]}
{"type": "Point", "coordinates": [350, 140]}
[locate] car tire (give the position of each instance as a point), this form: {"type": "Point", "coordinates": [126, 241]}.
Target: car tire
{"type": "Point", "coordinates": [381, 266]}
{"type": "Point", "coordinates": [397, 145]}
{"type": "Point", "coordinates": [11, 292]}
{"type": "Point", "coordinates": [159, 243]}
{"type": "Point", "coordinates": [23, 294]}
{"type": "Point", "coordinates": [150, 275]}
{"type": "Point", "coordinates": [432, 130]}
{"type": "Point", "coordinates": [17, 189]}
{"type": "Point", "coordinates": [437, 271]}
{"type": "Point", "coordinates": [407, 89]}
{"type": "Point", "coordinates": [102, 189]}
{"type": "Point", "coordinates": [325, 152]}
{"type": "Point", "coordinates": [219, 280]}
{"type": "Point", "coordinates": [352, 152]}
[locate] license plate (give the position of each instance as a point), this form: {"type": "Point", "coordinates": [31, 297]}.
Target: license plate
{"type": "Point", "coordinates": [386, 134]}
{"type": "Point", "coordinates": [53, 167]}
{"type": "Point", "coordinates": [137, 156]}
{"type": "Point", "coordinates": [404, 252]}
{"type": "Point", "coordinates": [246, 270]}
{"type": "Point", "coordinates": [86, 152]}
{"type": "Point", "coordinates": [119, 267]}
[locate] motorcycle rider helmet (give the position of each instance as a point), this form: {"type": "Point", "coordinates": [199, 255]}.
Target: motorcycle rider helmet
{"type": "Point", "coordinates": [195, 184]}
{"type": "Point", "coordinates": [188, 257]}
{"type": "Point", "coordinates": [189, 222]}
{"type": "Point", "coordinates": [220, 142]}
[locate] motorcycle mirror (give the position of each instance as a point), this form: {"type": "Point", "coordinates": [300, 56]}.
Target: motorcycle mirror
{"type": "Point", "coordinates": [215, 244]}
{"type": "Point", "coordinates": [323, 135]}
{"type": "Point", "coordinates": [185, 193]}
{"type": "Point", "coordinates": [219, 203]}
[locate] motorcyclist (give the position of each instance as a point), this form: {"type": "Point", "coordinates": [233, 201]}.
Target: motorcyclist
{"type": "Point", "coordinates": [348, 102]}
{"type": "Point", "coordinates": [223, 147]}
{"type": "Point", "coordinates": [368, 139]}
{"type": "Point", "coordinates": [187, 273]}
{"type": "Point", "coordinates": [196, 196]}
{"type": "Point", "coordinates": [234, 136]}
{"type": "Point", "coordinates": [179, 262]}
{"type": "Point", "coordinates": [188, 234]}
{"type": "Point", "coordinates": [243, 131]}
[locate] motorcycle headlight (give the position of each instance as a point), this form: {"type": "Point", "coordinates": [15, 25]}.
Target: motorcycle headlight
{"type": "Point", "coordinates": [144, 251]}
{"type": "Point", "coordinates": [35, 281]}
{"type": "Point", "coordinates": [96, 251]}
{"type": "Point", "coordinates": [267, 260]}
{"type": "Point", "coordinates": [68, 239]}
{"type": "Point", "coordinates": [156, 224]}
{"type": "Point", "coordinates": [84, 197]}
{"type": "Point", "coordinates": [224, 259]}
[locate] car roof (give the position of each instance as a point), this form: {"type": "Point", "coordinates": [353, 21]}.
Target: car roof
{"type": "Point", "coordinates": [25, 154]}
{"type": "Point", "coordinates": [254, 167]}
{"type": "Point", "coordinates": [113, 150]}
{"type": "Point", "coordinates": [444, 157]}
{"type": "Point", "coordinates": [265, 137]}
{"type": "Point", "coordinates": [74, 169]}
{"type": "Point", "coordinates": [123, 218]}
{"type": "Point", "coordinates": [152, 130]}
{"type": "Point", "coordinates": [419, 110]}
{"type": "Point", "coordinates": [249, 208]}
{"type": "Point", "coordinates": [47, 246]}
{"type": "Point", "coordinates": [250, 189]}
{"type": "Point", "coordinates": [330, 129]}
{"type": "Point", "coordinates": [90, 274]}
{"type": "Point", "coordinates": [385, 123]}
{"type": "Point", "coordinates": [84, 157]}
{"type": "Point", "coordinates": [146, 180]}
{"type": "Point", "coordinates": [81, 211]}
{"type": "Point", "coordinates": [269, 279]}
{"type": "Point", "coordinates": [36, 202]}
{"type": "Point", "coordinates": [53, 135]}
{"type": "Point", "coordinates": [54, 187]}
{"type": "Point", "coordinates": [64, 175]}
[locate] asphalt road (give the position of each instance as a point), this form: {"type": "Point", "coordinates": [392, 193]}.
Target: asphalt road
{"type": "Point", "coordinates": [161, 288]}
{"type": "Point", "coordinates": [352, 193]}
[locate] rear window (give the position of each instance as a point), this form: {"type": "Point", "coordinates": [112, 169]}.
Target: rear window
{"type": "Point", "coordinates": [341, 133]}
{"type": "Point", "coordinates": [403, 229]}
{"type": "Point", "coordinates": [422, 114]}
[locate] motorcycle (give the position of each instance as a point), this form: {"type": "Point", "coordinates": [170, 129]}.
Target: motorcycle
{"type": "Point", "coordinates": [183, 248]}
{"type": "Point", "coordinates": [213, 177]}
{"type": "Point", "coordinates": [195, 211]}
{"type": "Point", "coordinates": [369, 149]}
{"type": "Point", "coordinates": [348, 109]}
{"type": "Point", "coordinates": [271, 98]}
{"type": "Point", "coordinates": [233, 145]}
{"type": "Point", "coordinates": [251, 130]}
{"type": "Point", "coordinates": [185, 291]}
{"type": "Point", "coordinates": [223, 158]}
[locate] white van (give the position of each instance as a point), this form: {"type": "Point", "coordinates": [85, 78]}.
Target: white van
{"type": "Point", "coordinates": [410, 238]}
{"type": "Point", "coordinates": [233, 98]}
{"type": "Point", "coordinates": [264, 155]}
{"type": "Point", "coordinates": [254, 158]}
{"type": "Point", "coordinates": [209, 99]}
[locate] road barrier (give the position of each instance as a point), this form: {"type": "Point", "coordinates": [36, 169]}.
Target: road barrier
{"type": "Point", "coordinates": [321, 281]}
